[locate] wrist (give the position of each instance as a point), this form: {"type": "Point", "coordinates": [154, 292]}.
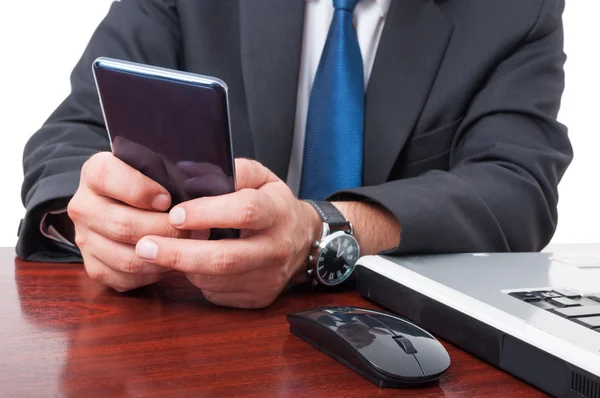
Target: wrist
{"type": "Point", "coordinates": [315, 223]}
{"type": "Point", "coordinates": [314, 230]}
{"type": "Point", "coordinates": [375, 228]}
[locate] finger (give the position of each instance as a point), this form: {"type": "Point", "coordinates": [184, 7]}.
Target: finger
{"type": "Point", "coordinates": [214, 257]}
{"type": "Point", "coordinates": [119, 281]}
{"type": "Point", "coordinates": [251, 174]}
{"type": "Point", "coordinates": [108, 176]}
{"type": "Point", "coordinates": [238, 300]}
{"type": "Point", "coordinates": [227, 283]}
{"type": "Point", "coordinates": [118, 256]}
{"type": "Point", "coordinates": [245, 209]}
{"type": "Point", "coordinates": [123, 223]}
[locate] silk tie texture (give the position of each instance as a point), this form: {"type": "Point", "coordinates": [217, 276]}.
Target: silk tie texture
{"type": "Point", "coordinates": [333, 148]}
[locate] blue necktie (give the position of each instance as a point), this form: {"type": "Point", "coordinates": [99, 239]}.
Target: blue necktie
{"type": "Point", "coordinates": [333, 148]}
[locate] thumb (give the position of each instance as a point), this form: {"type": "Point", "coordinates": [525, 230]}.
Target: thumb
{"type": "Point", "coordinates": [251, 174]}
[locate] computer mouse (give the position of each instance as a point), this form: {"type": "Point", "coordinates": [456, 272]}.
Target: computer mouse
{"type": "Point", "coordinates": [386, 349]}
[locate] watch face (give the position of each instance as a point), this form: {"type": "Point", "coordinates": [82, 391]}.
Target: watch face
{"type": "Point", "coordinates": [337, 258]}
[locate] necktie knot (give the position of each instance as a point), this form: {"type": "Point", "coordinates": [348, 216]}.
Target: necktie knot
{"type": "Point", "coordinates": [348, 5]}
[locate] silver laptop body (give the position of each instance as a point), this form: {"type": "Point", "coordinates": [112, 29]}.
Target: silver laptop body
{"type": "Point", "coordinates": [535, 315]}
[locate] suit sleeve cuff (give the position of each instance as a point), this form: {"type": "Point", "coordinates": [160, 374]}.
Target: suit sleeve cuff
{"type": "Point", "coordinates": [373, 195]}
{"type": "Point", "coordinates": [50, 194]}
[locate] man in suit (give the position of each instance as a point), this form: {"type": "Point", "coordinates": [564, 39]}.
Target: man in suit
{"type": "Point", "coordinates": [429, 124]}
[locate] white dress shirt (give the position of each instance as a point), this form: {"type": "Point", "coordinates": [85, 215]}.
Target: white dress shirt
{"type": "Point", "coordinates": [369, 18]}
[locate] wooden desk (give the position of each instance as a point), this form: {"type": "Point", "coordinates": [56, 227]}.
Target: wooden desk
{"type": "Point", "coordinates": [63, 335]}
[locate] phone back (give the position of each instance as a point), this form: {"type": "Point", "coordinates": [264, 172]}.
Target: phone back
{"type": "Point", "coordinates": [172, 126]}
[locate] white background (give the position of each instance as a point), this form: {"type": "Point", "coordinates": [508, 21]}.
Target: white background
{"type": "Point", "coordinates": [40, 42]}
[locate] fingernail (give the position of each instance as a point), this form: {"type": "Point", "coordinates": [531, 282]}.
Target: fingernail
{"type": "Point", "coordinates": [146, 249]}
{"type": "Point", "coordinates": [161, 202]}
{"type": "Point", "coordinates": [177, 216]}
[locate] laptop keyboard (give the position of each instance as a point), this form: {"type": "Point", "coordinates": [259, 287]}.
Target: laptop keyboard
{"type": "Point", "coordinates": [583, 310]}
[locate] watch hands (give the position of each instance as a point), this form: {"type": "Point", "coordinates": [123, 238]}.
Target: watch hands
{"type": "Point", "coordinates": [340, 250]}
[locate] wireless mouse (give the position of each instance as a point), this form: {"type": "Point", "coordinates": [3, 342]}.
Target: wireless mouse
{"type": "Point", "coordinates": [386, 349]}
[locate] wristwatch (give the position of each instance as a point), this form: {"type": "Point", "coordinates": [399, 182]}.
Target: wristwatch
{"type": "Point", "coordinates": [333, 257]}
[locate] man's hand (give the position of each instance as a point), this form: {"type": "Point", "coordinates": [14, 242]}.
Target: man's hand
{"type": "Point", "coordinates": [249, 272]}
{"type": "Point", "coordinates": [114, 206]}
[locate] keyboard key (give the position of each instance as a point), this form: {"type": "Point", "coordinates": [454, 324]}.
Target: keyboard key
{"type": "Point", "coordinates": [525, 296]}
{"type": "Point", "coordinates": [564, 302]}
{"type": "Point", "coordinates": [547, 295]}
{"type": "Point", "coordinates": [591, 322]}
{"type": "Point", "coordinates": [586, 301]}
{"type": "Point", "coordinates": [580, 311]}
{"type": "Point", "coordinates": [567, 293]}
{"type": "Point", "coordinates": [595, 298]}
{"type": "Point", "coordinates": [543, 305]}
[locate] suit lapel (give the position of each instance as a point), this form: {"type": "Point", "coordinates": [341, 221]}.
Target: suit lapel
{"type": "Point", "coordinates": [411, 48]}
{"type": "Point", "coordinates": [271, 43]}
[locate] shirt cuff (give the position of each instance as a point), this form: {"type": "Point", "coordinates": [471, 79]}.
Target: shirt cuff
{"type": "Point", "coordinates": [50, 232]}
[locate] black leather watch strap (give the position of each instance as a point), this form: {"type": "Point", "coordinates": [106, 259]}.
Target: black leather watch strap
{"type": "Point", "coordinates": [330, 214]}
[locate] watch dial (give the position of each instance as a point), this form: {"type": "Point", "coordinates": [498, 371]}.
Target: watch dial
{"type": "Point", "coordinates": [337, 259]}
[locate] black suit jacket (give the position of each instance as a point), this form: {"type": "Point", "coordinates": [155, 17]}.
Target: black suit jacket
{"type": "Point", "coordinates": [461, 139]}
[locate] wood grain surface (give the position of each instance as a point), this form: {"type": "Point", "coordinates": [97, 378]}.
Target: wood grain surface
{"type": "Point", "coordinates": [64, 335]}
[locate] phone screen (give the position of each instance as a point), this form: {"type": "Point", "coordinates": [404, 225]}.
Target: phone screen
{"type": "Point", "coordinates": [175, 132]}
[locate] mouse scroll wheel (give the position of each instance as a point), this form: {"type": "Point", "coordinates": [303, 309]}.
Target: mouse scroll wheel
{"type": "Point", "coordinates": [406, 344]}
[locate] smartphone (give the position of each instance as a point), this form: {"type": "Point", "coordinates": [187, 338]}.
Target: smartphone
{"type": "Point", "coordinates": [172, 126]}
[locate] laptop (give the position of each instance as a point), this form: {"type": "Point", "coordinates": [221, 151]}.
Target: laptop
{"type": "Point", "coordinates": [534, 315]}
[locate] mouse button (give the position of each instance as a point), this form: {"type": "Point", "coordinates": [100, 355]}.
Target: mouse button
{"type": "Point", "coordinates": [362, 331]}
{"type": "Point", "coordinates": [401, 327]}
{"type": "Point", "coordinates": [432, 356]}
{"type": "Point", "coordinates": [376, 345]}
{"type": "Point", "coordinates": [317, 316]}
{"type": "Point", "coordinates": [334, 319]}
{"type": "Point", "coordinates": [405, 344]}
